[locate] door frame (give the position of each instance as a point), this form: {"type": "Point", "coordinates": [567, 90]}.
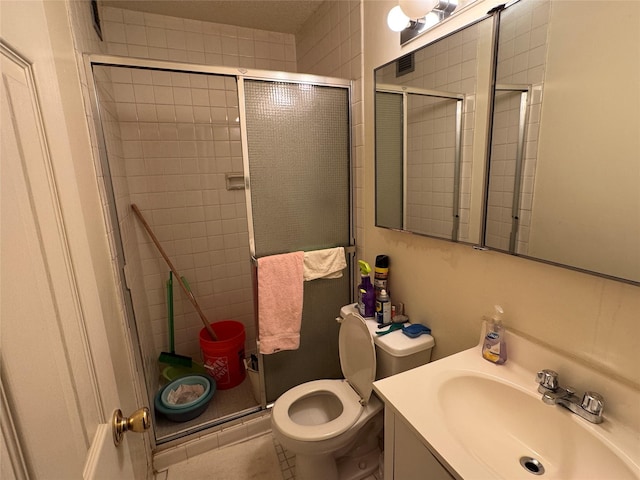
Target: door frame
{"type": "Point", "coordinates": [95, 336]}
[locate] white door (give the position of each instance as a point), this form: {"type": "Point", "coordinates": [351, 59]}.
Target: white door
{"type": "Point", "coordinates": [64, 358]}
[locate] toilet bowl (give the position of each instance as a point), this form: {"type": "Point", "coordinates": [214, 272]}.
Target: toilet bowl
{"type": "Point", "coordinates": [333, 426]}
{"type": "Point", "coordinates": [324, 420]}
{"type": "Point", "coordinates": [321, 417]}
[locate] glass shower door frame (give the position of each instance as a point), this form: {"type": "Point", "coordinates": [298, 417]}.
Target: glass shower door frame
{"type": "Point", "coordinates": [240, 74]}
{"type": "Point", "coordinates": [285, 78]}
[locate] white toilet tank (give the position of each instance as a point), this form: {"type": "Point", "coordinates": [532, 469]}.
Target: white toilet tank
{"type": "Point", "coordinates": [395, 352]}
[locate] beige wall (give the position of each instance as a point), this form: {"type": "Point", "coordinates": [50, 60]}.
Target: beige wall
{"type": "Point", "coordinates": [450, 286]}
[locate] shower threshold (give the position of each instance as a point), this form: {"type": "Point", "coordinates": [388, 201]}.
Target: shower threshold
{"type": "Point", "coordinates": [226, 406]}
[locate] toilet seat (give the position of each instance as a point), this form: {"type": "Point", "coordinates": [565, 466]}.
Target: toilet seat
{"type": "Point", "coordinates": [351, 410]}
{"type": "Point", "coordinates": [358, 364]}
{"type": "Point", "coordinates": [357, 355]}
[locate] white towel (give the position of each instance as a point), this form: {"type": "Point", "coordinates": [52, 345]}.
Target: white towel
{"type": "Point", "coordinates": [327, 263]}
{"type": "Point", "coordinates": [280, 294]}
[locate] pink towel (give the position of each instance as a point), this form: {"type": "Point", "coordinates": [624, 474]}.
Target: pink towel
{"type": "Point", "coordinates": [280, 288]}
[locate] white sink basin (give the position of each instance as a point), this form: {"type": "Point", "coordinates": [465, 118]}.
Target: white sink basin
{"type": "Point", "coordinates": [514, 434]}
{"type": "Point", "coordinates": [484, 421]}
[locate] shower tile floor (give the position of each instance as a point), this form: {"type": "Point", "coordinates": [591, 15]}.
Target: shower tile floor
{"type": "Point", "coordinates": [225, 404]}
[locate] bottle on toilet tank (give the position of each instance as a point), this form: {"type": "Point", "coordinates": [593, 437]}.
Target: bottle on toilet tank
{"type": "Point", "coordinates": [383, 307]}
{"type": "Point", "coordinates": [381, 275]}
{"type": "Point", "coordinates": [366, 293]}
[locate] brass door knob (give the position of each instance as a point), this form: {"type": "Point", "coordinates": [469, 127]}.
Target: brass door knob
{"type": "Point", "coordinates": [139, 421]}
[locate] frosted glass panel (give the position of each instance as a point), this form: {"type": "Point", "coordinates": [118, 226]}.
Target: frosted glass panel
{"type": "Point", "coordinates": [389, 154]}
{"type": "Point", "coordinates": [318, 355]}
{"type": "Point", "coordinates": [298, 139]}
{"type": "Point", "coordinates": [298, 145]}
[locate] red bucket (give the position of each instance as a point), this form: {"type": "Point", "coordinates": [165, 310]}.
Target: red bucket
{"type": "Point", "coordinates": [224, 358]}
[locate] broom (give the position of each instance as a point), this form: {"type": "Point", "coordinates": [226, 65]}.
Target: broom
{"type": "Point", "coordinates": [172, 358]}
{"type": "Point", "coordinates": [187, 291]}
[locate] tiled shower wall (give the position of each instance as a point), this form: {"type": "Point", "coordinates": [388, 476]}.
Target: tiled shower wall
{"type": "Point", "coordinates": [180, 137]}
{"type": "Point", "coordinates": [330, 44]}
{"type": "Point", "coordinates": [116, 181]}
{"type": "Point", "coordinates": [521, 60]}
{"type": "Point", "coordinates": [177, 150]}
{"type": "Point", "coordinates": [147, 35]}
{"type": "Point", "coordinates": [450, 65]}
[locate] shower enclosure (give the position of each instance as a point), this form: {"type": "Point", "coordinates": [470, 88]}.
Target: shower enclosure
{"type": "Point", "coordinates": [227, 166]}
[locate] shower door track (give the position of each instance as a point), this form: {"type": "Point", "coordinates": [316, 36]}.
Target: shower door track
{"type": "Point", "coordinates": [252, 74]}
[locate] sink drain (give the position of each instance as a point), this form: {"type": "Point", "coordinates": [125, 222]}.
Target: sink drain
{"type": "Point", "coordinates": [532, 465]}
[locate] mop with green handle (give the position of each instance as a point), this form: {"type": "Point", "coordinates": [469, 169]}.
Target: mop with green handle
{"type": "Point", "coordinates": [172, 358]}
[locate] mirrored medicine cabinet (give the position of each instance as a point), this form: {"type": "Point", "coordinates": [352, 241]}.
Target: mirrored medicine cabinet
{"type": "Point", "coordinates": [533, 151]}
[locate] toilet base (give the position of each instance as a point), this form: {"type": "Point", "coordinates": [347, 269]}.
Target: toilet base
{"type": "Point", "coordinates": [316, 467]}
{"type": "Point", "coordinates": [357, 468]}
{"type": "Point", "coordinates": [324, 467]}
{"type": "Point", "coordinates": [356, 460]}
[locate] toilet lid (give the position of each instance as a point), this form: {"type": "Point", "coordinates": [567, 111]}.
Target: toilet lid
{"type": "Point", "coordinates": [357, 355]}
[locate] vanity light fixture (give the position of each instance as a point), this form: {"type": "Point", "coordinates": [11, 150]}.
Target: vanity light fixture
{"type": "Point", "coordinates": [412, 17]}
{"type": "Point", "coordinates": [397, 20]}
{"type": "Point", "coordinates": [417, 8]}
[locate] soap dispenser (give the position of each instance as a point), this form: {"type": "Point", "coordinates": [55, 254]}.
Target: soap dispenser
{"type": "Point", "coordinates": [494, 347]}
{"type": "Point", "coordinates": [366, 291]}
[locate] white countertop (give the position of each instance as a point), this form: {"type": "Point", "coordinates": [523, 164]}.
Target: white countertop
{"type": "Point", "coordinates": [416, 397]}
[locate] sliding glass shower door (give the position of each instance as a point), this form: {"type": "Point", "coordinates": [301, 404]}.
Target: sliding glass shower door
{"type": "Point", "coordinates": [299, 169]}
{"type": "Point", "coordinates": [182, 142]}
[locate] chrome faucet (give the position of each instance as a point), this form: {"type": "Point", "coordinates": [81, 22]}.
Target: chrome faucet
{"type": "Point", "coordinates": [590, 407]}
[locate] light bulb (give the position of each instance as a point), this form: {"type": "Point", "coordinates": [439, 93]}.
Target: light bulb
{"type": "Point", "coordinates": [397, 20]}
{"type": "Point", "coordinates": [430, 20]}
{"type": "Point", "coordinates": [417, 8]}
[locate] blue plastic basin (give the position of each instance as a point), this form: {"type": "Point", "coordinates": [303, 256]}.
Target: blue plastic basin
{"type": "Point", "coordinates": [187, 411]}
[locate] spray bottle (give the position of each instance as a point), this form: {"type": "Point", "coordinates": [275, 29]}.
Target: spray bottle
{"type": "Point", "coordinates": [381, 277]}
{"type": "Point", "coordinates": [366, 293]}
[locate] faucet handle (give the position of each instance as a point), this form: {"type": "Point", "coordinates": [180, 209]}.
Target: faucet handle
{"type": "Point", "coordinates": [548, 379]}
{"type": "Point", "coordinates": [593, 403]}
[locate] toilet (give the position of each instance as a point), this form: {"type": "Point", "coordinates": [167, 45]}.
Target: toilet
{"type": "Point", "coordinates": [333, 425]}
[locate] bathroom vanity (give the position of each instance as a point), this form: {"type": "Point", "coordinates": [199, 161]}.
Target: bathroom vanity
{"type": "Point", "coordinates": [464, 417]}
{"type": "Point", "coordinates": [405, 454]}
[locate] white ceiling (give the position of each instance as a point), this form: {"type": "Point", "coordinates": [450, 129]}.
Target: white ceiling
{"type": "Point", "coordinates": [285, 16]}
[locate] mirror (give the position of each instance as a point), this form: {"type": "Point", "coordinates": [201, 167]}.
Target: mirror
{"type": "Point", "coordinates": [430, 143]}
{"type": "Point", "coordinates": [564, 170]}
